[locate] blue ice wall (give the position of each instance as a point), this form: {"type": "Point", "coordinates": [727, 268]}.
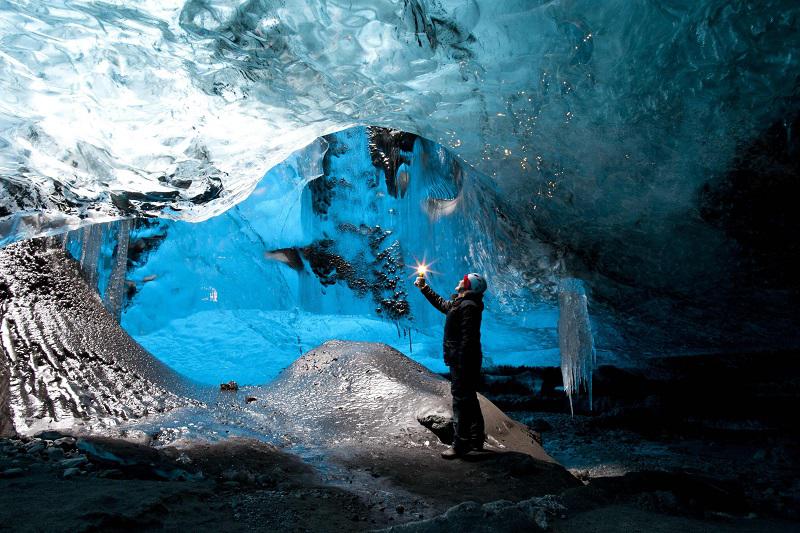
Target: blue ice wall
{"type": "Point", "coordinates": [647, 148]}
{"type": "Point", "coordinates": [218, 301]}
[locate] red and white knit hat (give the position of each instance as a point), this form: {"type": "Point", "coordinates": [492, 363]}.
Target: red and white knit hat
{"type": "Point", "coordinates": [474, 282]}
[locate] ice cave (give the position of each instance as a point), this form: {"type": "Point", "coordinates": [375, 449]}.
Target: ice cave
{"type": "Point", "coordinates": [225, 224]}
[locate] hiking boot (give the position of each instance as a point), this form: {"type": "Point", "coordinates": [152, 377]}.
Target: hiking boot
{"type": "Point", "coordinates": [476, 442]}
{"type": "Point", "coordinates": [452, 453]}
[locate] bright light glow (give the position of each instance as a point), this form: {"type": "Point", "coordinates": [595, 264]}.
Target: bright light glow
{"type": "Point", "coordinates": [422, 268]}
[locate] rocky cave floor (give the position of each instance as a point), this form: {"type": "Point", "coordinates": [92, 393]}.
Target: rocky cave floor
{"type": "Point", "coordinates": [699, 445]}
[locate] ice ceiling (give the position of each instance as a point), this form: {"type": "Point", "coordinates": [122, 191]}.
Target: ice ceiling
{"type": "Point", "coordinates": [649, 145]}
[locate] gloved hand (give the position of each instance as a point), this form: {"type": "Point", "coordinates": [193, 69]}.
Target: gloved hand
{"type": "Point", "coordinates": [420, 282]}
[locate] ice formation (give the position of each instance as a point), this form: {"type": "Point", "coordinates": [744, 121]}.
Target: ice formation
{"type": "Point", "coordinates": [575, 340]}
{"type": "Point", "coordinates": [114, 294]}
{"type": "Point", "coordinates": [179, 107]}
{"type": "Point", "coordinates": [283, 272]}
{"type": "Point", "coordinates": [102, 251]}
{"type": "Point", "coordinates": [66, 364]}
{"type": "Point", "coordinates": [64, 360]}
{"type": "Point", "coordinates": [657, 190]}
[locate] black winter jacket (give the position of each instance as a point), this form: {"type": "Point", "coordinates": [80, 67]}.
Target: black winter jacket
{"type": "Point", "coordinates": [462, 326]}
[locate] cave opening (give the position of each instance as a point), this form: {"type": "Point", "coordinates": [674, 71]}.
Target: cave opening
{"type": "Point", "coordinates": [325, 247]}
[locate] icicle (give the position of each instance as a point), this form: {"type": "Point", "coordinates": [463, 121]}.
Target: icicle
{"type": "Point", "coordinates": [575, 339]}
{"type": "Point", "coordinates": [90, 253]}
{"type": "Point", "coordinates": [115, 290]}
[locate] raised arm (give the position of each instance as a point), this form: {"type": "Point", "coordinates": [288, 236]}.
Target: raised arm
{"type": "Point", "coordinates": [437, 301]}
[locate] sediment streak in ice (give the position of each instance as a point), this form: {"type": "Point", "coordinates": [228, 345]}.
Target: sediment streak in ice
{"type": "Point", "coordinates": [114, 295]}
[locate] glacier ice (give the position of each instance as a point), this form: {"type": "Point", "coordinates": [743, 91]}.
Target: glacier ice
{"type": "Point", "coordinates": [178, 108]}
{"type": "Point", "coordinates": [114, 294]}
{"type": "Point", "coordinates": [575, 340]}
{"type": "Point", "coordinates": [91, 237]}
{"type": "Point", "coordinates": [253, 283]}
{"type": "Point", "coordinates": [599, 165]}
{"type": "Point", "coordinates": [64, 361]}
{"type": "Point", "coordinates": [101, 251]}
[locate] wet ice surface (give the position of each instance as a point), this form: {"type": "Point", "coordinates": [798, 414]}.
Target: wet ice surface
{"type": "Point", "coordinates": [66, 363]}
{"type": "Point", "coordinates": [153, 108]}
{"type": "Point", "coordinates": [350, 395]}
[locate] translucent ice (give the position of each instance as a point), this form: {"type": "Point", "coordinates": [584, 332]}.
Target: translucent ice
{"type": "Point", "coordinates": [102, 253]}
{"type": "Point", "coordinates": [599, 165]}
{"type": "Point", "coordinates": [178, 108]}
{"type": "Point", "coordinates": [575, 339]}
{"type": "Point", "coordinates": [114, 295]}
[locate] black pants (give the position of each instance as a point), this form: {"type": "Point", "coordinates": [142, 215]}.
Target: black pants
{"type": "Point", "coordinates": [465, 377]}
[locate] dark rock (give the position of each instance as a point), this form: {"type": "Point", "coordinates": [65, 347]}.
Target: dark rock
{"type": "Point", "coordinates": [71, 472]}
{"type": "Point", "coordinates": [54, 453]}
{"type": "Point", "coordinates": [241, 476]}
{"type": "Point", "coordinates": [67, 443]}
{"type": "Point", "coordinates": [288, 256]}
{"type": "Point", "coordinates": [183, 459]}
{"type": "Point", "coordinates": [251, 399]}
{"type": "Point", "coordinates": [539, 425]}
{"type": "Point", "coordinates": [136, 461]}
{"type": "Point", "coordinates": [229, 386]}
{"type": "Point", "coordinates": [179, 474]}
{"type": "Point", "coordinates": [388, 150]}
{"type": "Point", "coordinates": [534, 514]}
{"type": "Point", "coordinates": [11, 472]}
{"type": "Point", "coordinates": [112, 473]}
{"type": "Point", "coordinates": [670, 490]}
{"type": "Point", "coordinates": [50, 435]}
{"type": "Point", "coordinates": [35, 448]}
{"type": "Point", "coordinates": [74, 462]}
{"type": "Point", "coordinates": [441, 426]}
{"type": "Point", "coordinates": [659, 501]}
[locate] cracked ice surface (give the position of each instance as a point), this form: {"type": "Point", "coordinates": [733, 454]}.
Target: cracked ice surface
{"type": "Point", "coordinates": [178, 108]}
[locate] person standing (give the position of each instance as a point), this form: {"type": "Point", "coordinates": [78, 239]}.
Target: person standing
{"type": "Point", "coordinates": [462, 353]}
